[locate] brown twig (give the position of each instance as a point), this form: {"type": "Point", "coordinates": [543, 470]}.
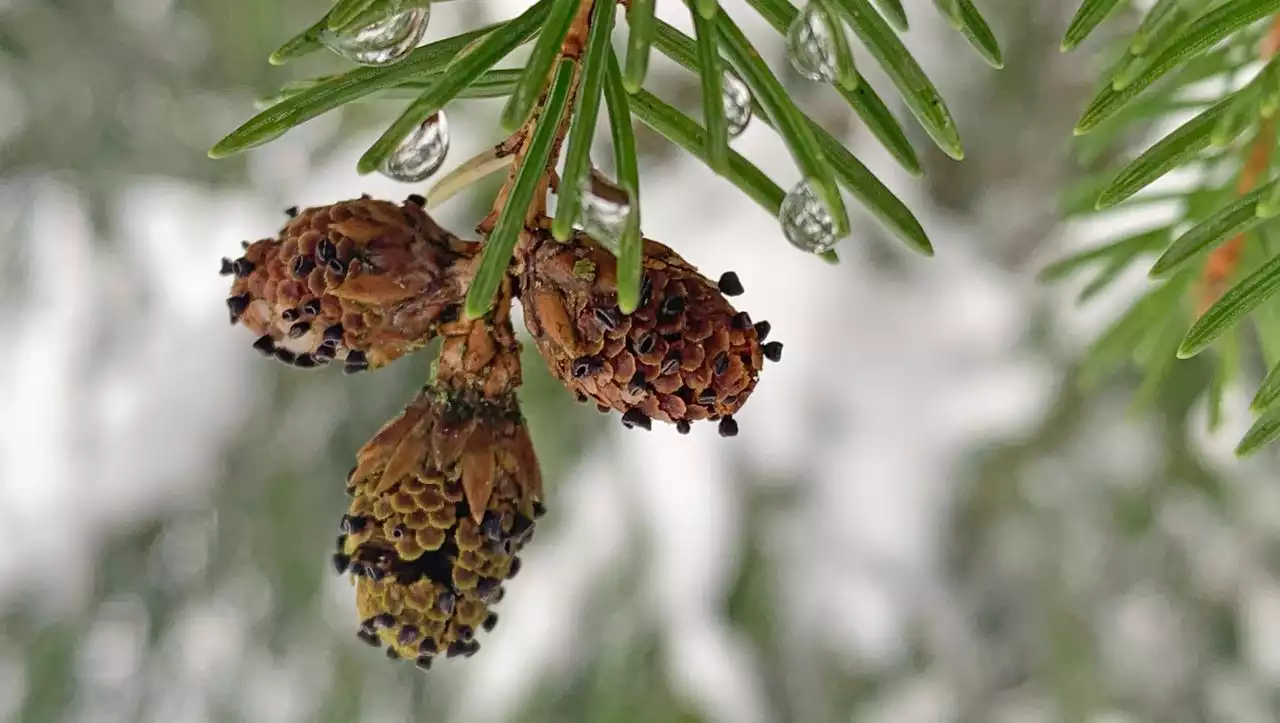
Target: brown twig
{"type": "Point", "coordinates": [572, 47]}
{"type": "Point", "coordinates": [483, 354]}
{"type": "Point", "coordinates": [1224, 260]}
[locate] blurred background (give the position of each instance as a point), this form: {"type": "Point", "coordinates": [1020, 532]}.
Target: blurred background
{"type": "Point", "coordinates": [922, 519]}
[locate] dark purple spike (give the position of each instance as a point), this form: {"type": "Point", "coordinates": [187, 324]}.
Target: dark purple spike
{"type": "Point", "coordinates": [341, 562]}
{"type": "Point", "coordinates": [266, 345]}
{"type": "Point", "coordinates": [730, 284]}
{"type": "Point", "coordinates": [721, 364]}
{"type": "Point", "coordinates": [302, 265]}
{"type": "Point", "coordinates": [636, 418]}
{"type": "Point", "coordinates": [227, 268]}
{"type": "Point", "coordinates": [325, 250]}
{"type": "Point", "coordinates": [762, 330]}
{"type": "Point", "coordinates": [728, 427]}
{"type": "Point", "coordinates": [773, 351]}
{"type": "Point", "coordinates": [237, 305]}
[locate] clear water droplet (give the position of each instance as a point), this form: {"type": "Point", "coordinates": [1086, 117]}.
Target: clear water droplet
{"type": "Point", "coordinates": [737, 103]}
{"type": "Point", "coordinates": [811, 45]}
{"type": "Point", "coordinates": [421, 153]}
{"type": "Point", "coordinates": [606, 210]}
{"type": "Point", "coordinates": [384, 42]}
{"type": "Point", "coordinates": [805, 220]}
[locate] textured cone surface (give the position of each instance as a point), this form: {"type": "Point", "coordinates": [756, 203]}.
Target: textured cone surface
{"type": "Point", "coordinates": [444, 498]}
{"type": "Point", "coordinates": [363, 282]}
{"type": "Point", "coordinates": [685, 354]}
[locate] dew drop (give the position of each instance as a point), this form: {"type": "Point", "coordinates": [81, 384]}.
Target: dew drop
{"type": "Point", "coordinates": [811, 45]}
{"type": "Point", "coordinates": [805, 220]}
{"type": "Point", "coordinates": [606, 210]}
{"type": "Point", "coordinates": [384, 42]}
{"type": "Point", "coordinates": [421, 153]}
{"type": "Point", "coordinates": [737, 103]}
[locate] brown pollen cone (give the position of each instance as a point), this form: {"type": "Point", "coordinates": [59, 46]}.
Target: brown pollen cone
{"type": "Point", "coordinates": [363, 282]}
{"type": "Point", "coordinates": [444, 497]}
{"type": "Point", "coordinates": [685, 354]}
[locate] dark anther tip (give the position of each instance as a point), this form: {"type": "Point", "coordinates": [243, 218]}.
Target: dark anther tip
{"type": "Point", "coordinates": [773, 351]}
{"type": "Point", "coordinates": [237, 306]}
{"type": "Point", "coordinates": [762, 330]}
{"type": "Point", "coordinates": [408, 634]}
{"type": "Point", "coordinates": [516, 566]}
{"type": "Point", "coordinates": [337, 267]}
{"type": "Point", "coordinates": [729, 284]}
{"type": "Point", "coordinates": [369, 638]}
{"type": "Point", "coordinates": [539, 509]}
{"type": "Point", "coordinates": [728, 427]}
{"type": "Point", "coordinates": [416, 199]}
{"type": "Point", "coordinates": [465, 633]}
{"type": "Point", "coordinates": [707, 397]}
{"type": "Point", "coordinates": [242, 267]}
{"type": "Point", "coordinates": [636, 418]}
{"type": "Point", "coordinates": [721, 364]}
{"type": "Point", "coordinates": [637, 383]}
{"type": "Point", "coordinates": [673, 305]}
{"type": "Point", "coordinates": [646, 342]}
{"type": "Point", "coordinates": [302, 265]}
{"type": "Point", "coordinates": [352, 523]}
{"type": "Point", "coordinates": [487, 587]}
{"type": "Point", "coordinates": [285, 356]}
{"type": "Point", "coordinates": [291, 212]}
{"type": "Point", "coordinates": [341, 542]}
{"type": "Point", "coordinates": [490, 621]}
{"type": "Point", "coordinates": [290, 315]}
{"type": "Point", "coordinates": [670, 365]}
{"type": "Point", "coordinates": [445, 602]}
{"type": "Point", "coordinates": [333, 333]}
{"type": "Point", "coordinates": [373, 573]}
{"type": "Point", "coordinates": [299, 329]}
{"type": "Point", "coordinates": [392, 654]}
{"type": "Point", "coordinates": [491, 526]}
{"type": "Point", "coordinates": [683, 426]}
{"type": "Point", "coordinates": [311, 308]}
{"type": "Point", "coordinates": [324, 353]}
{"type": "Point", "coordinates": [228, 268]}
{"type": "Point", "coordinates": [741, 321]}
{"type": "Point", "coordinates": [265, 344]}
{"type": "Point", "coordinates": [608, 318]}
{"type": "Point", "coordinates": [325, 250]}
{"type": "Point", "coordinates": [385, 620]}
{"type": "Point", "coordinates": [585, 365]}
{"type": "Point", "coordinates": [341, 562]}
{"type": "Point", "coordinates": [423, 662]}
{"type": "Point", "coordinates": [356, 362]}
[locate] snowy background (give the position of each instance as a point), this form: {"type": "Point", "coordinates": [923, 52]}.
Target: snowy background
{"type": "Point", "coordinates": [922, 520]}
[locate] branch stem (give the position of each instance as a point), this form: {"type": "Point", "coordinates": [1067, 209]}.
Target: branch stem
{"type": "Point", "coordinates": [1222, 263]}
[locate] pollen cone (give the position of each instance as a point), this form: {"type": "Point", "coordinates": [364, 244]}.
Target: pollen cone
{"type": "Point", "coordinates": [363, 282]}
{"type": "Point", "coordinates": [684, 355]}
{"type": "Point", "coordinates": [444, 497]}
